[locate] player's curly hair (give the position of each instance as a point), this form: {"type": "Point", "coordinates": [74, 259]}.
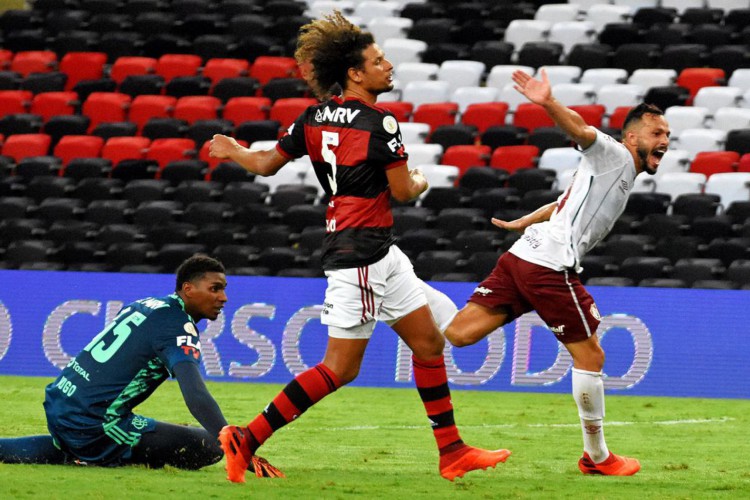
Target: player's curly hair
{"type": "Point", "coordinates": [332, 45]}
{"type": "Point", "coordinates": [637, 113]}
{"type": "Point", "coordinates": [195, 267]}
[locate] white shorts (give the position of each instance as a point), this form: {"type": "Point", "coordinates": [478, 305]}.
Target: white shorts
{"type": "Point", "coordinates": [357, 297]}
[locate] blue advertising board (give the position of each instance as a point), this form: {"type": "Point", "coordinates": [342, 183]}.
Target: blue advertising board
{"type": "Point", "coordinates": [659, 342]}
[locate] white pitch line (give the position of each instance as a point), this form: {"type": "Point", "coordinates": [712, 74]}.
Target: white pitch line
{"type": "Point", "coordinates": [690, 421]}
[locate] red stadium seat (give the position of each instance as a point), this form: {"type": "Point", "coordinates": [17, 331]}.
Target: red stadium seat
{"type": "Point", "coordinates": [219, 68]}
{"type": "Point", "coordinates": [402, 110]}
{"type": "Point", "coordinates": [744, 164]}
{"type": "Point", "coordinates": [172, 65]}
{"type": "Point", "coordinates": [695, 79]}
{"type": "Point", "coordinates": [82, 66]}
{"type": "Point", "coordinates": [285, 111]}
{"type": "Point", "coordinates": [193, 108]}
{"type": "Point", "coordinates": [34, 61]}
{"type": "Point", "coordinates": [464, 157]}
{"type": "Point", "coordinates": [145, 107]}
{"type": "Point", "coordinates": [168, 150]}
{"type": "Point", "coordinates": [617, 118]}
{"type": "Point", "coordinates": [592, 114]}
{"type": "Point", "coordinates": [106, 107]}
{"type": "Point", "coordinates": [436, 114]}
{"type": "Point", "coordinates": [117, 149]}
{"type": "Point", "coordinates": [49, 104]}
{"type": "Point", "coordinates": [243, 109]}
{"type": "Point", "coordinates": [20, 146]}
{"type": "Point", "coordinates": [531, 116]}
{"type": "Point", "coordinates": [15, 101]}
{"type": "Point", "coordinates": [78, 146]}
{"type": "Point", "coordinates": [485, 115]}
{"type": "Point", "coordinates": [512, 158]}
{"type": "Point", "coordinates": [132, 65]}
{"type": "Point", "coordinates": [714, 162]}
{"type": "Point", "coordinates": [267, 67]}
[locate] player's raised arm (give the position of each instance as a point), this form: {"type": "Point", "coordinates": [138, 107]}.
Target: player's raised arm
{"type": "Point", "coordinates": [540, 92]}
{"type": "Point", "coordinates": [263, 163]}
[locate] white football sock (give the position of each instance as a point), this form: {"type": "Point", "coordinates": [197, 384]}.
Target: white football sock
{"type": "Point", "coordinates": [588, 392]}
{"type": "Point", "coordinates": [443, 309]}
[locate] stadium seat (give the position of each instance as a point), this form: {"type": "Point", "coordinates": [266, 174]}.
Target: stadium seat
{"type": "Point", "coordinates": [729, 119]}
{"type": "Point", "coordinates": [170, 66]}
{"type": "Point", "coordinates": [616, 95]}
{"type": "Point", "coordinates": [126, 66]}
{"type": "Point", "coordinates": [421, 92]}
{"type": "Point", "coordinates": [685, 117]}
{"type": "Point", "coordinates": [484, 115]}
{"type": "Point", "coordinates": [402, 50]}
{"type": "Point", "coordinates": [696, 78]}
{"type": "Point", "coordinates": [82, 66]}
{"type": "Point", "coordinates": [265, 68]}
{"type": "Point", "coordinates": [436, 114]}
{"type": "Point", "coordinates": [714, 162]}
{"type": "Point", "coordinates": [168, 150]}
{"type": "Point", "coordinates": [49, 104]}
{"type": "Point", "coordinates": [286, 111]}
{"type": "Point", "coordinates": [78, 146]}
{"type": "Point", "coordinates": [531, 116]}
{"type": "Point", "coordinates": [461, 73]}
{"type": "Point", "coordinates": [512, 158]}
{"type": "Point", "coordinates": [423, 153]}
{"type": "Point", "coordinates": [22, 146]}
{"type": "Point", "coordinates": [193, 108]}
{"type": "Point", "coordinates": [714, 98]}
{"type": "Point", "coordinates": [33, 61]}
{"type": "Point", "coordinates": [604, 76]}
{"type": "Point", "coordinates": [696, 140]}
{"type": "Point", "coordinates": [402, 110]}
{"type": "Point", "coordinates": [730, 186]}
{"type": "Point", "coordinates": [146, 107]}
{"type": "Point", "coordinates": [466, 156]}
{"type": "Point", "coordinates": [106, 107]}
{"type": "Point", "coordinates": [466, 96]}
{"type": "Point", "coordinates": [15, 101]}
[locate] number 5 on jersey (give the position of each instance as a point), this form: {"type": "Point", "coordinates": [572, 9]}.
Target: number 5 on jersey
{"type": "Point", "coordinates": [330, 139]}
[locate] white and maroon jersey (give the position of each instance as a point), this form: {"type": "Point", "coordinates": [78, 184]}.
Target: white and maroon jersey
{"type": "Point", "coordinates": [586, 211]}
{"type": "Point", "coordinates": [351, 145]}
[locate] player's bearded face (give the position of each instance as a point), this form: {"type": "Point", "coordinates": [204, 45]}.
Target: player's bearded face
{"type": "Point", "coordinates": [653, 142]}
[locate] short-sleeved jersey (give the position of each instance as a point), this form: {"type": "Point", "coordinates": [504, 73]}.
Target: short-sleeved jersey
{"type": "Point", "coordinates": [586, 211]}
{"type": "Point", "coordinates": [351, 145]}
{"type": "Point", "coordinates": [123, 365]}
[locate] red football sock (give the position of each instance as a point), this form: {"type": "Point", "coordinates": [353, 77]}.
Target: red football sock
{"type": "Point", "coordinates": [300, 394]}
{"type": "Point", "coordinates": [432, 384]}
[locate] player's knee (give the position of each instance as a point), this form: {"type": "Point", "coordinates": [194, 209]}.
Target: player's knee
{"type": "Point", "coordinates": [347, 375]}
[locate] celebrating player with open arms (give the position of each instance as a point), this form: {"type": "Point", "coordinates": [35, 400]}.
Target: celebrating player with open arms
{"type": "Point", "coordinates": [356, 151]}
{"type": "Point", "coordinates": [540, 271]}
{"type": "Point", "coordinates": [90, 406]}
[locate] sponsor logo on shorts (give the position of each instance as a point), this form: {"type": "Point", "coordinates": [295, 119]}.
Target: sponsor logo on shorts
{"type": "Point", "coordinates": [558, 330]}
{"type": "Point", "coordinates": [595, 312]}
{"type": "Point", "coordinates": [327, 306]}
{"type": "Point", "coordinates": [482, 291]}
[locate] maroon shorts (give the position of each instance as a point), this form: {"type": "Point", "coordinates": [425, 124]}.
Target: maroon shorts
{"type": "Point", "coordinates": [558, 297]}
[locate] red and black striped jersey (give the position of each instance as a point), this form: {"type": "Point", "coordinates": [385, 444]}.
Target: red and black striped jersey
{"type": "Point", "coordinates": [351, 145]}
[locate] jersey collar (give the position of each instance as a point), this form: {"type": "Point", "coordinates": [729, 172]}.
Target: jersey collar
{"type": "Point", "coordinates": [182, 305]}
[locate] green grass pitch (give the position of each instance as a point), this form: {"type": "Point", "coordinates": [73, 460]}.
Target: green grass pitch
{"type": "Point", "coordinates": [376, 443]}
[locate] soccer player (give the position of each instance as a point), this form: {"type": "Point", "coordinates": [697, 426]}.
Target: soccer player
{"type": "Point", "coordinates": [540, 271]}
{"type": "Point", "coordinates": [89, 406]}
{"type": "Point", "coordinates": [356, 151]}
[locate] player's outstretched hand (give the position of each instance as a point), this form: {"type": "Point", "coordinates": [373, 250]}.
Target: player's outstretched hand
{"type": "Point", "coordinates": [536, 91]}
{"type": "Point", "coordinates": [221, 146]}
{"type": "Point", "coordinates": [517, 225]}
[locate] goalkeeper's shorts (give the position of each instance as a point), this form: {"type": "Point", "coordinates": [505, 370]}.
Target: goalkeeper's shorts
{"type": "Point", "coordinates": [104, 444]}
